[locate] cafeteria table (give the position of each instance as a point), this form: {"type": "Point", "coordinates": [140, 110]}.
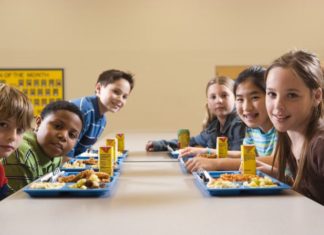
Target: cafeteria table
{"type": "Point", "coordinates": [153, 196]}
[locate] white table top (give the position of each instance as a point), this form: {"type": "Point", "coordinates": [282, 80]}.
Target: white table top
{"type": "Point", "coordinates": [153, 196]}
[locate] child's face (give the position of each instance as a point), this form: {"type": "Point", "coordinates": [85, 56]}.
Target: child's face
{"type": "Point", "coordinates": [58, 132]}
{"type": "Point", "coordinates": [220, 100]}
{"type": "Point", "coordinates": [10, 136]}
{"type": "Point", "coordinates": [289, 101]}
{"type": "Point", "coordinates": [250, 105]}
{"type": "Point", "coordinates": [113, 96]}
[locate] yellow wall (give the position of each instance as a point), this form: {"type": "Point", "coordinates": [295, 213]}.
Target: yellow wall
{"type": "Point", "coordinates": [171, 46]}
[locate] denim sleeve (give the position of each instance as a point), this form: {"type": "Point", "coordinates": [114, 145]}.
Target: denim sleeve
{"type": "Point", "coordinates": [161, 145]}
{"type": "Point", "coordinates": [238, 133]}
{"type": "Point", "coordinates": [202, 139]}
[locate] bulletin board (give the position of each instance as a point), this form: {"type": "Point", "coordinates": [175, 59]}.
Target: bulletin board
{"type": "Point", "coordinates": [42, 86]}
{"type": "Point", "coordinates": [231, 71]}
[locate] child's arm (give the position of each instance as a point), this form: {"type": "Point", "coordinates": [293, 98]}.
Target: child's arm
{"type": "Point", "coordinates": [234, 154]}
{"type": "Point", "coordinates": [224, 164]}
{"type": "Point", "coordinates": [161, 145]}
{"type": "Point", "coordinates": [191, 151]}
{"type": "Point", "coordinates": [266, 159]}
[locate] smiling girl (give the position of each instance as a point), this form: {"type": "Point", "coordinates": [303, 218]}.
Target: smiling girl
{"type": "Point", "coordinates": [294, 103]}
{"type": "Point", "coordinates": [250, 92]}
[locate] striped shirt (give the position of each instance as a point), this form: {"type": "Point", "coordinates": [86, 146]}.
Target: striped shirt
{"type": "Point", "coordinates": [94, 124]}
{"type": "Point", "coordinates": [264, 142]}
{"type": "Point", "coordinates": [28, 163]}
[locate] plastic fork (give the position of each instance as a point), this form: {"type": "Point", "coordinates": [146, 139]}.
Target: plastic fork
{"type": "Point", "coordinates": [57, 173]}
{"type": "Point", "coordinates": [204, 175]}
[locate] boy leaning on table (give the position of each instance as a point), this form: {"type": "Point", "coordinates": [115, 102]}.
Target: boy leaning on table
{"type": "Point", "coordinates": [112, 90]}
{"type": "Point", "coordinates": [16, 115]}
{"type": "Point", "coordinates": [57, 130]}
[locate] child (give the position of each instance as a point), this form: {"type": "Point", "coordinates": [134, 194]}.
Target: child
{"type": "Point", "coordinates": [221, 120]}
{"type": "Point", "coordinates": [57, 130]}
{"type": "Point", "coordinates": [250, 92]}
{"type": "Point", "coordinates": [16, 114]}
{"type": "Point", "coordinates": [112, 90]}
{"type": "Point", "coordinates": [295, 106]}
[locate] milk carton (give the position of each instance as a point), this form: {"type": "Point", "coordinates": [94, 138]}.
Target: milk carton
{"type": "Point", "coordinates": [106, 160]}
{"type": "Point", "coordinates": [121, 141]}
{"type": "Point", "coordinates": [248, 161]}
{"type": "Point", "coordinates": [114, 144]}
{"type": "Point", "coordinates": [222, 147]}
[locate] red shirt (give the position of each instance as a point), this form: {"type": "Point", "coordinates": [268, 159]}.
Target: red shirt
{"type": "Point", "coordinates": [3, 178]}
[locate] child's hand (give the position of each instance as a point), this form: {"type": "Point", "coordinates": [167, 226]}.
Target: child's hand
{"type": "Point", "coordinates": [193, 164]}
{"type": "Point", "coordinates": [266, 168]}
{"type": "Point", "coordinates": [190, 151]}
{"type": "Point", "coordinates": [149, 146]}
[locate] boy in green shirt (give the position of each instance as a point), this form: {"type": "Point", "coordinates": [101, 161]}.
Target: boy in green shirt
{"type": "Point", "coordinates": [16, 115]}
{"type": "Point", "coordinates": [57, 130]}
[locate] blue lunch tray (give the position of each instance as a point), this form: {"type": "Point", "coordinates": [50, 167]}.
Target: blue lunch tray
{"type": "Point", "coordinates": [241, 190]}
{"type": "Point", "coordinates": [75, 192]}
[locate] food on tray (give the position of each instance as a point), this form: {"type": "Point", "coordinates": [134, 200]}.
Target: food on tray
{"type": "Point", "coordinates": [237, 177]}
{"type": "Point", "coordinates": [46, 185]}
{"type": "Point", "coordinates": [90, 183]}
{"type": "Point", "coordinates": [87, 174]}
{"type": "Point", "coordinates": [236, 180]}
{"type": "Point", "coordinates": [90, 161]}
{"type": "Point", "coordinates": [260, 182]}
{"type": "Point", "coordinates": [89, 154]}
{"type": "Point", "coordinates": [81, 163]}
{"type": "Point", "coordinates": [219, 183]}
{"type": "Point", "coordinates": [75, 164]}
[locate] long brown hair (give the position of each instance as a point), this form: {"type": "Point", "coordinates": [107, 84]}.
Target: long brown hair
{"type": "Point", "coordinates": [220, 80]}
{"type": "Point", "coordinates": [306, 66]}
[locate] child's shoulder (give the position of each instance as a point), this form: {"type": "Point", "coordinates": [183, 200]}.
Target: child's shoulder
{"type": "Point", "coordinates": [28, 138]}
{"type": "Point", "coordinates": [317, 140]}
{"type": "Point", "coordinates": [85, 100]}
{"type": "Point", "coordinates": [87, 103]}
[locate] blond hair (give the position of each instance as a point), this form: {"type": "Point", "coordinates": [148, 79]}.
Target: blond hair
{"type": "Point", "coordinates": [15, 104]}
{"type": "Point", "coordinates": [221, 80]}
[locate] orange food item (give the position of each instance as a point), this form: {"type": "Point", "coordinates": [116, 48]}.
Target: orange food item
{"type": "Point", "coordinates": [90, 161]}
{"type": "Point", "coordinates": [237, 177]}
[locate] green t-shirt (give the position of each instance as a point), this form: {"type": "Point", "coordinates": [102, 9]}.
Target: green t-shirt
{"type": "Point", "coordinates": [28, 163]}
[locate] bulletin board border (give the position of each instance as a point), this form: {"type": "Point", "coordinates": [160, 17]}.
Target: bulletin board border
{"type": "Point", "coordinates": [41, 69]}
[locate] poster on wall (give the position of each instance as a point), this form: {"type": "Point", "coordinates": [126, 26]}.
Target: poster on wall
{"type": "Point", "coordinates": [42, 86]}
{"type": "Point", "coordinates": [231, 71]}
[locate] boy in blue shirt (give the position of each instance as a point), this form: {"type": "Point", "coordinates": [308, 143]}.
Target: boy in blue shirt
{"type": "Point", "coordinates": [112, 90]}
